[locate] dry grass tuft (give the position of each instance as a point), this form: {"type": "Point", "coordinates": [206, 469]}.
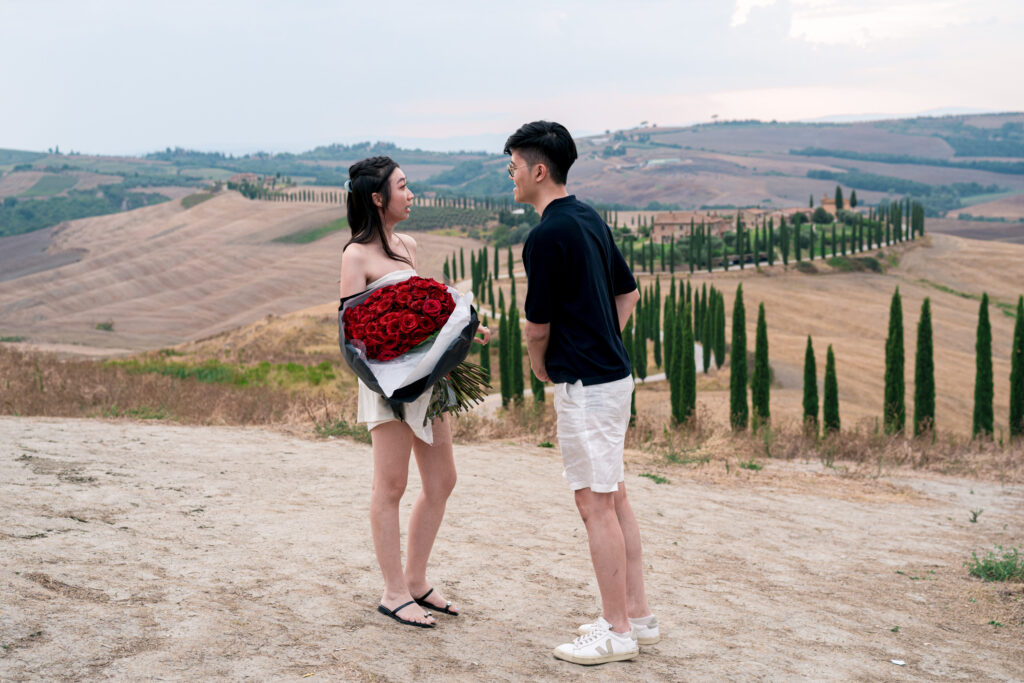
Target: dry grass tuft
{"type": "Point", "coordinates": [860, 452]}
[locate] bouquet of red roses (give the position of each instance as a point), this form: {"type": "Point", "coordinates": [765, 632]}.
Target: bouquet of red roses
{"type": "Point", "coordinates": [406, 338]}
{"type": "Point", "coordinates": [399, 317]}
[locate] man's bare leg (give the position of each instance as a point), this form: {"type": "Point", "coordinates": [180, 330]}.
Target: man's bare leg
{"type": "Point", "coordinates": [607, 553]}
{"type": "Point", "coordinates": [636, 596]}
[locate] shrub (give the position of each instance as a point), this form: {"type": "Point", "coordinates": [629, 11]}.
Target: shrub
{"type": "Point", "coordinates": [821, 216]}
{"type": "Point", "coordinates": [998, 565]}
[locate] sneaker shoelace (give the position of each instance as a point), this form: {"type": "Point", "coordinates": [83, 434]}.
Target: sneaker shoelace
{"type": "Point", "coordinates": [589, 637]}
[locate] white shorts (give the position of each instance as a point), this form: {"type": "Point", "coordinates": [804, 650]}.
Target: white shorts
{"type": "Point", "coordinates": [592, 422]}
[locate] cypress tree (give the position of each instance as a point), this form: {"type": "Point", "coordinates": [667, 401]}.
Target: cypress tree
{"type": "Point", "coordinates": [760, 381]}
{"type": "Point", "coordinates": [485, 261]}
{"type": "Point", "coordinates": [504, 348]}
{"type": "Point", "coordinates": [853, 199]}
{"type": "Point", "coordinates": [895, 409]}
{"type": "Point", "coordinates": [497, 263]}
{"type": "Point", "coordinates": [784, 241]}
{"type": "Point", "coordinates": [511, 275]}
{"type": "Point", "coordinates": [771, 241]}
{"type": "Point", "coordinates": [839, 198]}
{"type": "Point", "coordinates": [656, 317]}
{"type": "Point", "coordinates": [640, 343]}
{"type": "Point", "coordinates": [516, 360]}
{"type": "Point", "coordinates": [738, 410]}
{"type": "Point", "coordinates": [672, 254]}
{"type": "Point", "coordinates": [708, 254]}
{"type": "Point", "coordinates": [833, 239]}
{"type": "Point", "coordinates": [676, 362]}
{"type": "Point", "coordinates": [485, 354]}
{"type": "Point", "coordinates": [490, 292]}
{"type": "Point", "coordinates": [688, 372]}
{"type": "Point", "coordinates": [462, 264]}
{"type": "Point", "coordinates": [796, 241]}
{"type": "Point", "coordinates": [446, 271]}
{"type": "Point", "coordinates": [924, 374]}
{"type": "Point", "coordinates": [810, 203]}
{"type": "Point", "coordinates": [830, 412]}
{"type": "Point", "coordinates": [1017, 375]}
{"type": "Point", "coordinates": [474, 284]}
{"type": "Point", "coordinates": [810, 390]}
{"type": "Point", "coordinates": [708, 326]}
{"type": "Point", "coordinates": [982, 425]}
{"type": "Point", "coordinates": [719, 329]}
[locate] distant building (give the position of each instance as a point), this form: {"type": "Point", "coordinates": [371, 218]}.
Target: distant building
{"type": "Point", "coordinates": [676, 224]}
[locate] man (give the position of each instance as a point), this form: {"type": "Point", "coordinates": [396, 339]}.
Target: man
{"type": "Point", "coordinates": [580, 292]}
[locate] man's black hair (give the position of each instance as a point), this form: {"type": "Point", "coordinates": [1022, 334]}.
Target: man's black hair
{"type": "Point", "coordinates": [545, 142]}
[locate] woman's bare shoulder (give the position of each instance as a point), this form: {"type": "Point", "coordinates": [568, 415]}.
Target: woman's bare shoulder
{"type": "Point", "coordinates": [407, 239]}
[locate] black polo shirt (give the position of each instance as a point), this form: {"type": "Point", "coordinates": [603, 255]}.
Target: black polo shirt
{"type": "Point", "coordinates": [574, 272]}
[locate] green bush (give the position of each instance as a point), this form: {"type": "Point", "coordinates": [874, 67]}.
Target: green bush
{"type": "Point", "coordinates": [197, 198]}
{"type": "Point", "coordinates": [307, 236]}
{"type": "Point", "coordinates": [998, 565]}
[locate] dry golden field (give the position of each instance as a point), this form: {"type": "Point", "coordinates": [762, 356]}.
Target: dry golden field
{"type": "Point", "coordinates": [164, 275]}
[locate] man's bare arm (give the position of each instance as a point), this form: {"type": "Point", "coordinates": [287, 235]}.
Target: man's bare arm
{"type": "Point", "coordinates": [624, 304]}
{"type": "Point", "coordinates": [537, 336]}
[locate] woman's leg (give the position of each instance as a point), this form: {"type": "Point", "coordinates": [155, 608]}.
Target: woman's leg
{"type": "Point", "coordinates": [437, 472]}
{"type": "Point", "coordinates": [392, 442]}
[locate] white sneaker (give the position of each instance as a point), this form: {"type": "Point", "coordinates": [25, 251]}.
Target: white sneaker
{"type": "Point", "coordinates": [598, 646]}
{"type": "Point", "coordinates": [646, 634]}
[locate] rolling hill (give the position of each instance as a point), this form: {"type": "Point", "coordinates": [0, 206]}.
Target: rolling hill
{"type": "Point", "coordinates": [950, 163]}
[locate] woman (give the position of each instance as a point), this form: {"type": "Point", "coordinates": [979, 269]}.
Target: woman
{"type": "Point", "coordinates": [379, 198]}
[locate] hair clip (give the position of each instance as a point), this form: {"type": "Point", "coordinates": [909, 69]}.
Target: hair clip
{"type": "Point", "coordinates": [348, 185]}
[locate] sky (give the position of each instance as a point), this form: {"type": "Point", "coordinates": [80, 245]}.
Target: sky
{"type": "Point", "coordinates": [133, 76]}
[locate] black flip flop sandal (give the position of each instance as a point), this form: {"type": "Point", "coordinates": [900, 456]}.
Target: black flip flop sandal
{"type": "Point", "coordinates": [394, 615]}
{"type": "Point", "coordinates": [422, 602]}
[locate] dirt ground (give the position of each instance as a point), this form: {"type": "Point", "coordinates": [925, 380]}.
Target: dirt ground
{"type": "Point", "coordinates": [143, 550]}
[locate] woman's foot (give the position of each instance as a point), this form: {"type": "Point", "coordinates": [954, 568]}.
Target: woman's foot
{"type": "Point", "coordinates": [431, 599]}
{"type": "Point", "coordinates": [409, 612]}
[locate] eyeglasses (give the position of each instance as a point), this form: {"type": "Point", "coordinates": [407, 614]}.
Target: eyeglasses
{"type": "Point", "coordinates": [511, 170]}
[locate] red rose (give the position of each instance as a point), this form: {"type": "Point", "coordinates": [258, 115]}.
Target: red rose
{"type": "Point", "coordinates": [408, 322]}
{"type": "Point", "coordinates": [432, 307]}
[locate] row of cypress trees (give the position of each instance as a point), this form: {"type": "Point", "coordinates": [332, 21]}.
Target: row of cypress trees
{"type": "Point", "coordinates": [894, 222]}
{"type": "Point", "coordinates": [982, 423]}
{"type": "Point", "coordinates": [699, 316]}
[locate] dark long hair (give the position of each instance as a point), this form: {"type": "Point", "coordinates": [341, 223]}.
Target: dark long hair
{"type": "Point", "coordinates": [366, 177]}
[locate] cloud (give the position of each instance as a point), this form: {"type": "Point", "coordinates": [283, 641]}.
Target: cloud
{"type": "Point", "coordinates": [742, 10]}
{"type": "Point", "coordinates": [839, 22]}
